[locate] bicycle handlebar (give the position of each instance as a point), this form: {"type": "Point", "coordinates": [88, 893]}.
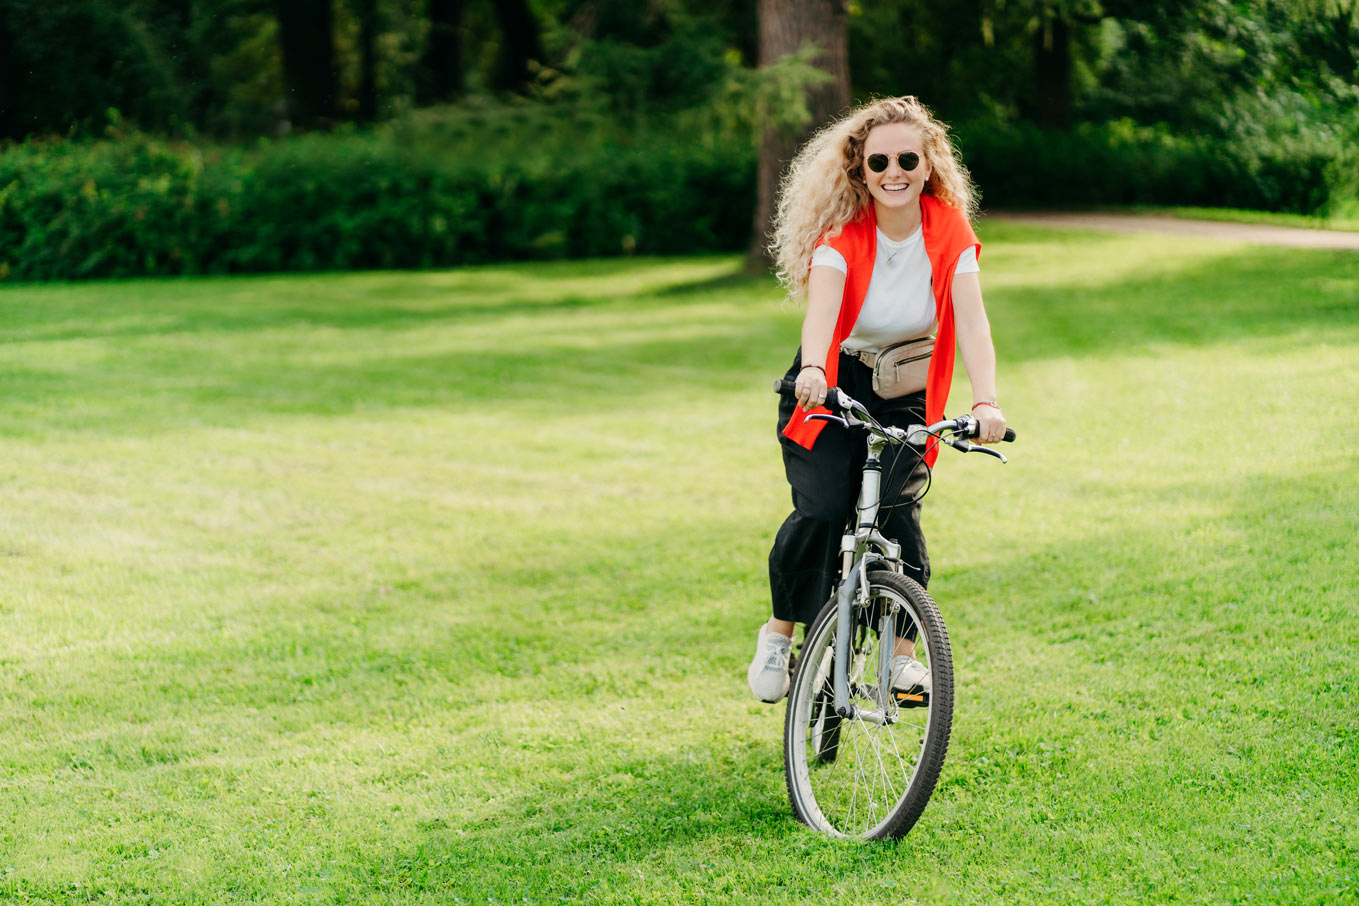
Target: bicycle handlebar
{"type": "Point", "coordinates": [790, 388]}
{"type": "Point", "coordinates": [837, 400]}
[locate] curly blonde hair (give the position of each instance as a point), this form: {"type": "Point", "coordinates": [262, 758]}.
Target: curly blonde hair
{"type": "Point", "coordinates": [824, 188]}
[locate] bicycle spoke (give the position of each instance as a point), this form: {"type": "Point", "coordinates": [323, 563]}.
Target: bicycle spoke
{"type": "Point", "coordinates": [877, 775]}
{"type": "Point", "coordinates": [888, 799]}
{"type": "Point", "coordinates": [871, 735]}
{"type": "Point", "coordinates": [901, 763]}
{"type": "Point", "coordinates": [851, 822]}
{"type": "Point", "coordinates": [884, 771]}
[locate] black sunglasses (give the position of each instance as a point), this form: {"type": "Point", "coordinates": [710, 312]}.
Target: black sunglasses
{"type": "Point", "coordinates": [906, 160]}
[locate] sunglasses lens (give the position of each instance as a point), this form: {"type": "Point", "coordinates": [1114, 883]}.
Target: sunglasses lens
{"type": "Point", "coordinates": [908, 161]}
{"type": "Point", "coordinates": [877, 162]}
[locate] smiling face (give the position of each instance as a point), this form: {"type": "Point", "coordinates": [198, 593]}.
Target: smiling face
{"type": "Point", "coordinates": [895, 187]}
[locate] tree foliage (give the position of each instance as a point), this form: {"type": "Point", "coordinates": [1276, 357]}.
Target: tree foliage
{"type": "Point", "coordinates": [1252, 101]}
{"type": "Point", "coordinates": [1227, 68]}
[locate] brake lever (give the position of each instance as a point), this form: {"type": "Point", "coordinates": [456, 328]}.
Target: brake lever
{"type": "Point", "coordinates": [827, 418]}
{"type": "Point", "coordinates": [966, 447]}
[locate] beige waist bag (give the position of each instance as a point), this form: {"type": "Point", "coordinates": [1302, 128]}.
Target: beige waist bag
{"type": "Point", "coordinates": [901, 368]}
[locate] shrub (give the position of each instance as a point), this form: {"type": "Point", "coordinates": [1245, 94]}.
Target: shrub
{"type": "Point", "coordinates": [494, 186]}
{"type": "Point", "coordinates": [1123, 164]}
{"type": "Point", "coordinates": [137, 206]}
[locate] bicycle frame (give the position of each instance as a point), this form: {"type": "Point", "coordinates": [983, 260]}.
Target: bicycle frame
{"type": "Point", "coordinates": [842, 708]}
{"type": "Point", "coordinates": [865, 545]}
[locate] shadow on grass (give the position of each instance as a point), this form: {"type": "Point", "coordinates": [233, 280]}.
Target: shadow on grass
{"type": "Point", "coordinates": [1281, 557]}
{"type": "Point", "coordinates": [230, 378]}
{"type": "Point", "coordinates": [1262, 293]}
{"type": "Point", "coordinates": [359, 301]}
{"type": "Point", "coordinates": [362, 315]}
{"type": "Point", "coordinates": [1226, 294]}
{"type": "Point", "coordinates": [683, 827]}
{"type": "Point", "coordinates": [566, 840]}
{"type": "Point", "coordinates": [162, 390]}
{"type": "Point", "coordinates": [722, 283]}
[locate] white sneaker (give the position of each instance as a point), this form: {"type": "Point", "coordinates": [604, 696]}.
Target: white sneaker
{"type": "Point", "coordinates": [909, 675]}
{"type": "Point", "coordinates": [768, 673]}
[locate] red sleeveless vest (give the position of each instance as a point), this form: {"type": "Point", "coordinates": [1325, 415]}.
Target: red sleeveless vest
{"type": "Point", "coordinates": [947, 234]}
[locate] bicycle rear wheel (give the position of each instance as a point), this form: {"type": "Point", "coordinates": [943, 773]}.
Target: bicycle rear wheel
{"type": "Point", "coordinates": [854, 777]}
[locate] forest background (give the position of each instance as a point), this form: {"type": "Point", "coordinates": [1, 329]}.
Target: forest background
{"type": "Point", "coordinates": [157, 137]}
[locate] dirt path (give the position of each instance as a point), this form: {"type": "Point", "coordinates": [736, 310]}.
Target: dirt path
{"type": "Point", "coordinates": [1164, 223]}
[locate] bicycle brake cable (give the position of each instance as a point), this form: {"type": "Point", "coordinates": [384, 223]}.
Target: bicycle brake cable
{"type": "Point", "coordinates": [919, 459]}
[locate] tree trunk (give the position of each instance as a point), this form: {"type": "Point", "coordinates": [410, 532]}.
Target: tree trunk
{"type": "Point", "coordinates": [787, 26]}
{"type": "Point", "coordinates": [307, 41]}
{"type": "Point", "coordinates": [520, 43]}
{"type": "Point", "coordinates": [1052, 73]}
{"type": "Point", "coordinates": [441, 75]}
{"type": "Point", "coordinates": [368, 32]}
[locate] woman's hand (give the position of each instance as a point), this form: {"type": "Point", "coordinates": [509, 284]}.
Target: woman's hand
{"type": "Point", "coordinates": [991, 421]}
{"type": "Point", "coordinates": [811, 387]}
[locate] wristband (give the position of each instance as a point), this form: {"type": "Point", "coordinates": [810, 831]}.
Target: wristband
{"type": "Point", "coordinates": [817, 367]}
{"type": "Point", "coordinates": [992, 403]}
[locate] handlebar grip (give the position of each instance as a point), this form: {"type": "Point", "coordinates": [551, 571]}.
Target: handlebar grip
{"type": "Point", "coordinates": [974, 430]}
{"type": "Point", "coordinates": [790, 387]}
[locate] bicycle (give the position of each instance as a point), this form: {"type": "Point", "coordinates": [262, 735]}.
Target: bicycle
{"type": "Point", "coordinates": [861, 759]}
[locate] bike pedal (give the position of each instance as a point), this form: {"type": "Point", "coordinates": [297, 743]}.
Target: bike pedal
{"type": "Point", "coordinates": [912, 699]}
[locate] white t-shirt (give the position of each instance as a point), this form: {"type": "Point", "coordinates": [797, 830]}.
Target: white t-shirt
{"type": "Point", "coordinates": [899, 304]}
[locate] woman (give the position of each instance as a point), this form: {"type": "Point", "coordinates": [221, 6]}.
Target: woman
{"type": "Point", "coordinates": [873, 225]}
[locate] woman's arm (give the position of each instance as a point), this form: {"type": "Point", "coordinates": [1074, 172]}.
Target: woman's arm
{"type": "Point", "coordinates": [979, 356]}
{"type": "Point", "coordinates": [825, 289]}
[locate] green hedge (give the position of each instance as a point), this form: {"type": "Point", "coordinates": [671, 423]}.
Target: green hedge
{"type": "Point", "coordinates": [1123, 164]}
{"type": "Point", "coordinates": [136, 206]}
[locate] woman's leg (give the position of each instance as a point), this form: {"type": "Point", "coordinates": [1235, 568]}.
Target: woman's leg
{"type": "Point", "coordinates": [804, 561]}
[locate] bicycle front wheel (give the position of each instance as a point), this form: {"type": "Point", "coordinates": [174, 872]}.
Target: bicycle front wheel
{"type": "Point", "coordinates": [856, 776]}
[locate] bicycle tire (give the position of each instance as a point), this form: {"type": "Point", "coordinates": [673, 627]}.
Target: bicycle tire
{"type": "Point", "coordinates": [847, 789]}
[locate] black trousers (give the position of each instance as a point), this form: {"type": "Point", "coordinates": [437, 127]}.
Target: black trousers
{"type": "Point", "coordinates": [804, 562]}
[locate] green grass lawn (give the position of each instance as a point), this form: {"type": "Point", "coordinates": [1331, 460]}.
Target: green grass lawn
{"type": "Point", "coordinates": [440, 588]}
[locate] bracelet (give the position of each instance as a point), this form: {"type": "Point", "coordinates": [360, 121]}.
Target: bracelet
{"type": "Point", "coordinates": [817, 367]}
{"type": "Point", "coordinates": [992, 403]}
